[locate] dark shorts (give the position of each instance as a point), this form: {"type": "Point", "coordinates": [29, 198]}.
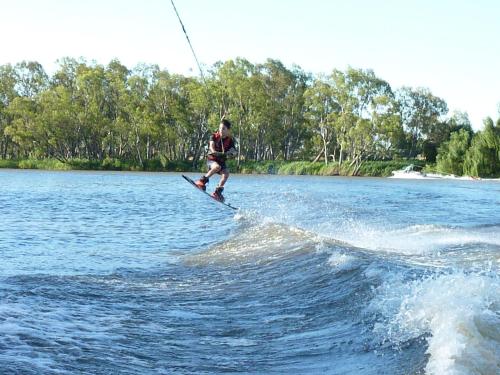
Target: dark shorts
{"type": "Point", "coordinates": [223, 167]}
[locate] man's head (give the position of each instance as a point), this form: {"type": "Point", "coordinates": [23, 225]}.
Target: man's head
{"type": "Point", "coordinates": [224, 127]}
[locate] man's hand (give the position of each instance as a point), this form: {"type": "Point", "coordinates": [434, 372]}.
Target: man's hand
{"type": "Point", "coordinates": [232, 153]}
{"type": "Point", "coordinates": [218, 154]}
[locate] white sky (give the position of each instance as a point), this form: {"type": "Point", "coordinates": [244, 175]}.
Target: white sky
{"type": "Point", "coordinates": [451, 47]}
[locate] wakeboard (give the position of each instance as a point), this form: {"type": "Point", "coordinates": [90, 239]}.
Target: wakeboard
{"type": "Point", "coordinates": [204, 192]}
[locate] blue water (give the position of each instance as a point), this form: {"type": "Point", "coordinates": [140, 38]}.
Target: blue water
{"type": "Point", "coordinates": [105, 273]}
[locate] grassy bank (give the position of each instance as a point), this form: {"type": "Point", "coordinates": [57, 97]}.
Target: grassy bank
{"type": "Point", "coordinates": [96, 165]}
{"type": "Point", "coordinates": [368, 168]}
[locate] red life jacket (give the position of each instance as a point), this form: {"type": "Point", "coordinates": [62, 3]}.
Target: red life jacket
{"type": "Point", "coordinates": [227, 142]}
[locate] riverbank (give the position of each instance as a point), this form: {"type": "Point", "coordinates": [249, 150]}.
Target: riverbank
{"type": "Point", "coordinates": [368, 168]}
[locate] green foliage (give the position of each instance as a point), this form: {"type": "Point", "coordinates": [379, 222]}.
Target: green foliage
{"type": "Point", "coordinates": [256, 167]}
{"type": "Point", "coordinates": [107, 164]}
{"type": "Point", "coordinates": [91, 116]}
{"type": "Point", "coordinates": [51, 164]}
{"type": "Point", "coordinates": [9, 163]}
{"type": "Point", "coordinates": [451, 154]}
{"type": "Point", "coordinates": [378, 168]}
{"type": "Point", "coordinates": [422, 118]}
{"type": "Point", "coordinates": [302, 168]}
{"type": "Point", "coordinates": [483, 157]}
{"type": "Point", "coordinates": [368, 168]}
{"type": "Point", "coordinates": [477, 155]}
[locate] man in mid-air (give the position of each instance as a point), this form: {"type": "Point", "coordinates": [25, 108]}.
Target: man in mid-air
{"type": "Point", "coordinates": [220, 147]}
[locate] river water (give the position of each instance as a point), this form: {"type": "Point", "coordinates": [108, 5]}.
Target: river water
{"type": "Point", "coordinates": [138, 273]}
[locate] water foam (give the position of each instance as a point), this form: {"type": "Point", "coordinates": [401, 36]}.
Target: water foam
{"type": "Point", "coordinates": [343, 262]}
{"type": "Point", "coordinates": [413, 239]}
{"type": "Point", "coordinates": [459, 314]}
{"type": "Point", "coordinates": [259, 243]}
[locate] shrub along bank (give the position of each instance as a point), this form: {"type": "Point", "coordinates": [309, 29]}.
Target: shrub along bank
{"type": "Point", "coordinates": [368, 168]}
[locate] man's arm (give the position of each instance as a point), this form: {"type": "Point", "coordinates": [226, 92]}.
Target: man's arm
{"type": "Point", "coordinates": [211, 147]}
{"type": "Point", "coordinates": [211, 150]}
{"type": "Point", "coordinates": [232, 152]}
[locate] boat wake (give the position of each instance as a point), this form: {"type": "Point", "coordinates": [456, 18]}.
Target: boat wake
{"type": "Point", "coordinates": [439, 301]}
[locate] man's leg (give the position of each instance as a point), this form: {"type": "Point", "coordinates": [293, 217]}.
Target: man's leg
{"type": "Point", "coordinates": [220, 188]}
{"type": "Point", "coordinates": [224, 177]}
{"type": "Point", "coordinates": [214, 167]}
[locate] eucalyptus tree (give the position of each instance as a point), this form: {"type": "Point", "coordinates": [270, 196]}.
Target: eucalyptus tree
{"type": "Point", "coordinates": [200, 117]}
{"type": "Point", "coordinates": [58, 121]}
{"type": "Point", "coordinates": [22, 108]}
{"type": "Point", "coordinates": [23, 130]}
{"type": "Point", "coordinates": [364, 101]}
{"type": "Point", "coordinates": [295, 133]}
{"type": "Point", "coordinates": [422, 117]}
{"type": "Point", "coordinates": [8, 93]}
{"type": "Point", "coordinates": [115, 86]}
{"type": "Point", "coordinates": [458, 120]}
{"type": "Point", "coordinates": [169, 112]}
{"type": "Point", "coordinates": [235, 91]}
{"type": "Point", "coordinates": [389, 136]}
{"type": "Point", "coordinates": [283, 108]}
{"type": "Point", "coordinates": [93, 118]}
{"type": "Point", "coordinates": [137, 120]}
{"type": "Point", "coordinates": [31, 79]}
{"type": "Point", "coordinates": [322, 111]}
{"type": "Point", "coordinates": [87, 110]}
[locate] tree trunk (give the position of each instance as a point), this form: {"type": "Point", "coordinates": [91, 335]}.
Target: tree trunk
{"type": "Point", "coordinates": [148, 149]}
{"type": "Point", "coordinates": [340, 154]}
{"type": "Point", "coordinates": [325, 150]}
{"type": "Point", "coordinates": [239, 144]}
{"type": "Point", "coordinates": [137, 142]}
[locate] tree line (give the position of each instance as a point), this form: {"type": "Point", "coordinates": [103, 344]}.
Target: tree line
{"type": "Point", "coordinates": [96, 112]}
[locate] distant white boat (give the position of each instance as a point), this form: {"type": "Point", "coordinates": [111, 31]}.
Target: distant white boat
{"type": "Point", "coordinates": [412, 174]}
{"type": "Point", "coordinates": [409, 172]}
